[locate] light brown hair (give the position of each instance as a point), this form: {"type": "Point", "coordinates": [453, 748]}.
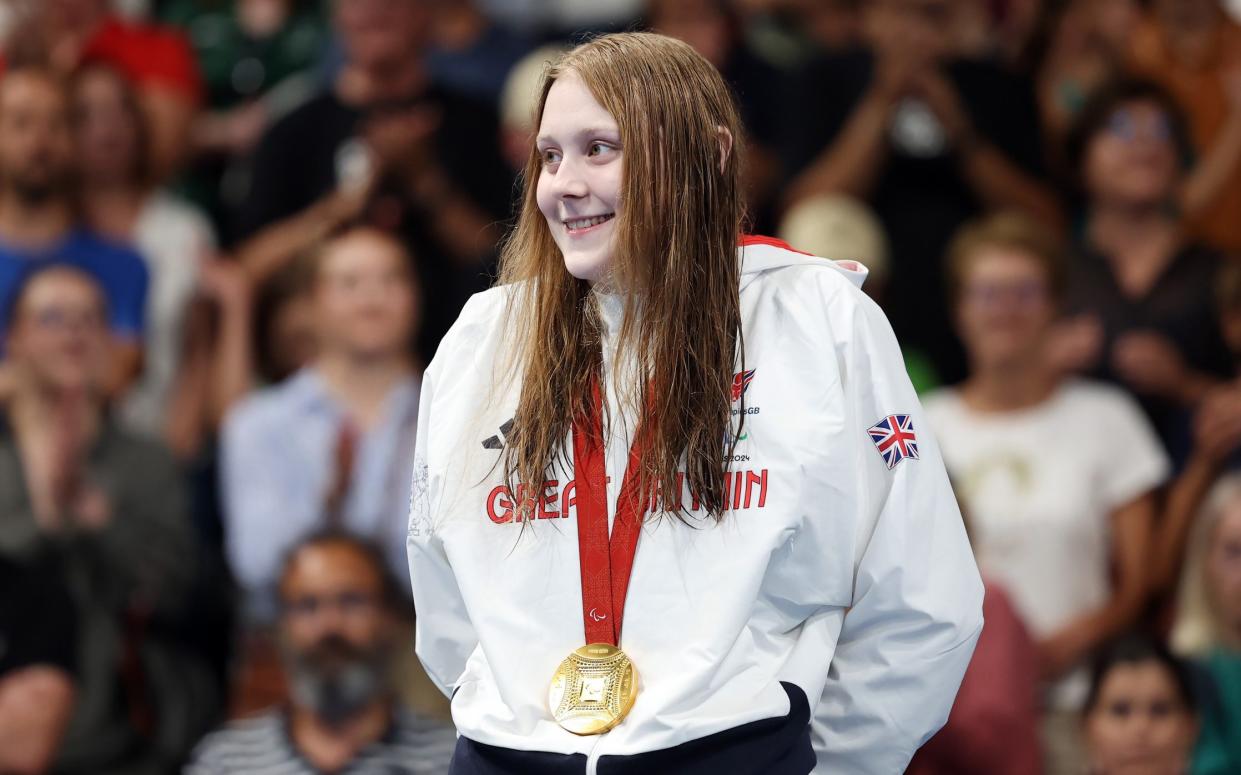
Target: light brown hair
{"type": "Point", "coordinates": [677, 226]}
{"type": "Point", "coordinates": [1011, 231]}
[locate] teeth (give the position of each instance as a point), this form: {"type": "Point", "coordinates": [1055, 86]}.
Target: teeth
{"type": "Point", "coordinates": [586, 223]}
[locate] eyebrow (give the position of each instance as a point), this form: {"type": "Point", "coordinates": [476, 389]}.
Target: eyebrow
{"type": "Point", "coordinates": [587, 132]}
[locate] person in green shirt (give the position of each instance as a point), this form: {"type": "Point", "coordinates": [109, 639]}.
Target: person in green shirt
{"type": "Point", "coordinates": [1209, 624]}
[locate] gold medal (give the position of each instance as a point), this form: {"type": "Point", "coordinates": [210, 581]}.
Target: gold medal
{"type": "Point", "coordinates": [593, 689]}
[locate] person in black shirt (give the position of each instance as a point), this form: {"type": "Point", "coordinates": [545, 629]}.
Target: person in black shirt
{"type": "Point", "coordinates": [386, 145]}
{"type": "Point", "coordinates": [1142, 293]}
{"type": "Point", "coordinates": [37, 662]}
{"type": "Point", "coordinates": [928, 140]}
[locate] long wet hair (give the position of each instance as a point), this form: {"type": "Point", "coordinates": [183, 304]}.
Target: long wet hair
{"type": "Point", "coordinates": [679, 216]}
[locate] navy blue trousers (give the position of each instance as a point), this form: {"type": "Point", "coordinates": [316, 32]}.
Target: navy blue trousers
{"type": "Point", "coordinates": [774, 746]}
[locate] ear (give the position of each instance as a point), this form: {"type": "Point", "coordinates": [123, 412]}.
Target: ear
{"type": "Point", "coordinates": [725, 138]}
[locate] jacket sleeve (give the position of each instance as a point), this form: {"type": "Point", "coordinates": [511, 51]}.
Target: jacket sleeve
{"type": "Point", "coordinates": [916, 609]}
{"type": "Point", "coordinates": [445, 637]}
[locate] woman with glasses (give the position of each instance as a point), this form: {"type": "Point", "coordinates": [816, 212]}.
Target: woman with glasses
{"type": "Point", "coordinates": [1141, 290]}
{"type": "Point", "coordinates": [1056, 473]}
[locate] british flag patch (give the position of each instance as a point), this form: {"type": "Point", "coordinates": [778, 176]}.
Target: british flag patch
{"type": "Point", "coordinates": [741, 381]}
{"type": "Point", "coordinates": [894, 438]}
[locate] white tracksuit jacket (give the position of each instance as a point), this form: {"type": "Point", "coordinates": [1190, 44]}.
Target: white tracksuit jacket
{"type": "Point", "coordinates": [833, 572]}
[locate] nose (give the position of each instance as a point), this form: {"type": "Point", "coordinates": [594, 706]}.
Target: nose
{"type": "Point", "coordinates": [569, 182]}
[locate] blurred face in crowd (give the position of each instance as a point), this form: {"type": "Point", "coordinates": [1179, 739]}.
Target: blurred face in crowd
{"type": "Point", "coordinates": [579, 184]}
{"type": "Point", "coordinates": [36, 146]}
{"type": "Point", "coordinates": [337, 634]}
{"type": "Point", "coordinates": [106, 127]}
{"type": "Point", "coordinates": [701, 23]}
{"type": "Point", "coordinates": [1139, 724]}
{"type": "Point", "coordinates": [365, 301]}
{"type": "Point", "coordinates": [1223, 569]}
{"type": "Point", "coordinates": [1132, 160]}
{"type": "Point", "coordinates": [380, 34]}
{"type": "Point", "coordinates": [1006, 308]}
{"type": "Point", "coordinates": [59, 335]}
{"type": "Point", "coordinates": [919, 29]}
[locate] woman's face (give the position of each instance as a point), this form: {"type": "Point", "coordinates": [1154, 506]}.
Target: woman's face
{"type": "Point", "coordinates": [1005, 308]}
{"type": "Point", "coordinates": [1223, 569]}
{"type": "Point", "coordinates": [1132, 160]}
{"type": "Point", "coordinates": [579, 183]}
{"type": "Point", "coordinates": [107, 137]}
{"type": "Point", "coordinates": [1139, 724]}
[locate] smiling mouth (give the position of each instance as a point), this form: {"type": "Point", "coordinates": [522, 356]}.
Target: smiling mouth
{"type": "Point", "coordinates": [583, 225]}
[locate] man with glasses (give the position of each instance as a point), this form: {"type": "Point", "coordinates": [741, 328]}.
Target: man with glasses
{"type": "Point", "coordinates": [111, 512]}
{"type": "Point", "coordinates": [339, 628]}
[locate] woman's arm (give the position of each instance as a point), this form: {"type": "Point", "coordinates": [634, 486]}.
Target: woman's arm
{"type": "Point", "coordinates": [1131, 530]}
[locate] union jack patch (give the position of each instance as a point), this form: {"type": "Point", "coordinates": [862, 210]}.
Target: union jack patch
{"type": "Point", "coordinates": [894, 438]}
{"type": "Point", "coordinates": [741, 381]}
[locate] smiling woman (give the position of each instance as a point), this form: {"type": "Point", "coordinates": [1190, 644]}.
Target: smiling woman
{"type": "Point", "coordinates": [736, 407]}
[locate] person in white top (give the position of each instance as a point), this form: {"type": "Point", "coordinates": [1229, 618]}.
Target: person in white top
{"type": "Point", "coordinates": [1055, 473]}
{"type": "Point", "coordinates": [674, 507]}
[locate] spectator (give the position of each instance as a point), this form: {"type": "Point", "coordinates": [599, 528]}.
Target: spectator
{"type": "Point", "coordinates": [338, 629]}
{"type": "Point", "coordinates": [386, 143]}
{"type": "Point", "coordinates": [37, 663]}
{"type": "Point", "coordinates": [1193, 50]}
{"type": "Point", "coordinates": [993, 727]}
{"type": "Point", "coordinates": [1077, 46]}
{"type": "Point", "coordinates": [37, 220]}
{"type": "Point", "coordinates": [69, 33]}
{"type": "Point", "coordinates": [258, 60]}
{"type": "Point", "coordinates": [112, 509]}
{"type": "Point", "coordinates": [1141, 284]}
{"type": "Point", "coordinates": [1140, 715]}
{"type": "Point", "coordinates": [119, 200]}
{"type": "Point", "coordinates": [469, 53]}
{"type": "Point", "coordinates": [1209, 623]}
{"type": "Point", "coordinates": [332, 444]}
{"type": "Point", "coordinates": [927, 140]}
{"type": "Point", "coordinates": [1057, 516]}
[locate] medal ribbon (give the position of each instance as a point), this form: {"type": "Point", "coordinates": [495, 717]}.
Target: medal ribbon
{"type": "Point", "coordinates": [606, 561]}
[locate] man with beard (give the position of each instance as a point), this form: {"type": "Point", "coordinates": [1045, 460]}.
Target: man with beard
{"type": "Point", "coordinates": [339, 625]}
{"type": "Point", "coordinates": [37, 222]}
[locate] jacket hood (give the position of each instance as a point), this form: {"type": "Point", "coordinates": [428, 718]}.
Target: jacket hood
{"type": "Point", "coordinates": [758, 254]}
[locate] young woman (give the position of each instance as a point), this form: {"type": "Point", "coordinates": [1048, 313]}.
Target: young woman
{"type": "Point", "coordinates": [801, 587]}
{"type": "Point", "coordinates": [1140, 717]}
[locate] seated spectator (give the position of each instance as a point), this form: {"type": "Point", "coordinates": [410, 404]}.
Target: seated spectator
{"type": "Point", "coordinates": [258, 60]}
{"type": "Point", "coordinates": [993, 727]}
{"type": "Point", "coordinates": [927, 140]}
{"type": "Point", "coordinates": [1140, 281]}
{"type": "Point", "coordinates": [1193, 50]}
{"type": "Point", "coordinates": [111, 508]}
{"type": "Point", "coordinates": [37, 663]}
{"type": "Point", "coordinates": [1057, 516]}
{"type": "Point", "coordinates": [1208, 627]}
{"type": "Point", "coordinates": [1141, 713]}
{"type": "Point", "coordinates": [121, 202]}
{"type": "Point", "coordinates": [332, 444]}
{"type": "Point", "coordinates": [37, 221]}
{"type": "Point", "coordinates": [68, 33]}
{"type": "Point", "coordinates": [339, 612]}
{"type": "Point", "coordinates": [386, 143]}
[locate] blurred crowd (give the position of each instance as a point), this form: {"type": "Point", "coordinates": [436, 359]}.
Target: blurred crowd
{"type": "Point", "coordinates": [232, 232]}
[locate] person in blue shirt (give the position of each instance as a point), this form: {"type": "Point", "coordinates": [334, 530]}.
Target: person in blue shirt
{"type": "Point", "coordinates": [38, 225]}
